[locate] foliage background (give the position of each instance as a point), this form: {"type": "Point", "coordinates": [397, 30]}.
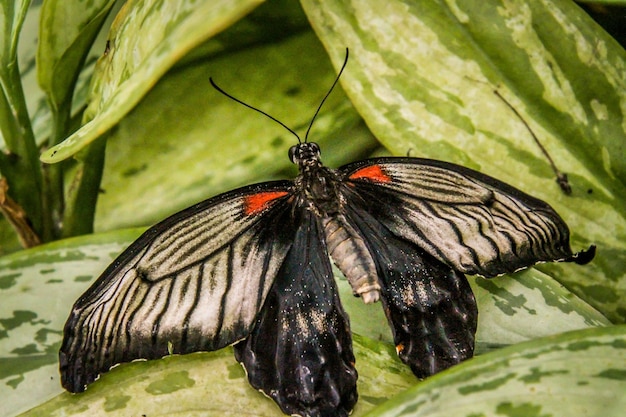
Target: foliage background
{"type": "Point", "coordinates": [421, 80]}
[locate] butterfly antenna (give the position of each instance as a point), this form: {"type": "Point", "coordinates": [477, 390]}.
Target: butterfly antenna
{"type": "Point", "coordinates": [254, 108]}
{"type": "Point", "coordinates": [345, 62]}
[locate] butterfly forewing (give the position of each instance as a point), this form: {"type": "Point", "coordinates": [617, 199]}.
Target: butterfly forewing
{"type": "Point", "coordinates": [469, 221]}
{"type": "Point", "coordinates": [195, 281]}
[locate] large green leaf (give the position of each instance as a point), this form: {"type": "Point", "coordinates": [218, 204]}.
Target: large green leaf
{"type": "Point", "coordinates": [38, 287]}
{"type": "Point", "coordinates": [580, 374]}
{"type": "Point", "coordinates": [465, 82]}
{"type": "Point", "coordinates": [525, 306]}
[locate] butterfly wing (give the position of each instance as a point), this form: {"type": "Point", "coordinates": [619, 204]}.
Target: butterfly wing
{"type": "Point", "coordinates": [426, 223]}
{"type": "Point", "coordinates": [467, 220]}
{"type": "Point", "coordinates": [430, 307]}
{"type": "Point", "coordinates": [194, 282]}
{"type": "Point", "coordinates": [300, 351]}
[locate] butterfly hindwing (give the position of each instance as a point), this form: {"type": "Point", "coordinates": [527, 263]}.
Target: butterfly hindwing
{"type": "Point", "coordinates": [194, 282]}
{"type": "Point", "coordinates": [430, 307]}
{"type": "Point", "coordinates": [300, 351]}
{"type": "Point", "coordinates": [468, 220]}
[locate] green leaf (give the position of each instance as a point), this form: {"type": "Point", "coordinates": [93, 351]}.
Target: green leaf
{"type": "Point", "coordinates": [39, 286]}
{"type": "Point", "coordinates": [12, 14]}
{"type": "Point", "coordinates": [214, 383]}
{"type": "Point", "coordinates": [580, 373]}
{"type": "Point", "coordinates": [526, 305]}
{"type": "Point", "coordinates": [37, 289]}
{"type": "Point", "coordinates": [147, 39]}
{"type": "Point", "coordinates": [424, 75]}
{"type": "Point", "coordinates": [66, 33]}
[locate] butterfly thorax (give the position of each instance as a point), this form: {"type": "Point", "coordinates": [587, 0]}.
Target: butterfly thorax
{"type": "Point", "coordinates": [317, 185]}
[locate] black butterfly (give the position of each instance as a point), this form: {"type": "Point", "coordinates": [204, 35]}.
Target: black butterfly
{"type": "Point", "coordinates": [251, 267]}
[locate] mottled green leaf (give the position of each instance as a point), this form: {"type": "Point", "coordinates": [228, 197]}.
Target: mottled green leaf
{"type": "Point", "coordinates": [527, 305]}
{"type": "Point", "coordinates": [37, 290]}
{"type": "Point", "coordinates": [580, 373]}
{"type": "Point", "coordinates": [466, 81]}
{"type": "Point", "coordinates": [212, 384]}
{"type": "Point", "coordinates": [146, 39]}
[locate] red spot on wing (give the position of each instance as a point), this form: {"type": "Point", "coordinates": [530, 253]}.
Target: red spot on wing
{"type": "Point", "coordinates": [373, 173]}
{"type": "Point", "coordinates": [256, 203]}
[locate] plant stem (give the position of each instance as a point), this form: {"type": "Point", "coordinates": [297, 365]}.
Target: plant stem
{"type": "Point", "coordinates": [54, 192]}
{"type": "Point", "coordinates": [83, 194]}
{"type": "Point", "coordinates": [19, 164]}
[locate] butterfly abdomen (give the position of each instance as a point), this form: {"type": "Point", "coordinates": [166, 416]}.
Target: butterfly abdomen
{"type": "Point", "coordinates": [350, 254]}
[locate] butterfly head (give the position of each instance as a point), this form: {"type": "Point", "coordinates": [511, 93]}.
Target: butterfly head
{"type": "Point", "coordinates": [306, 154]}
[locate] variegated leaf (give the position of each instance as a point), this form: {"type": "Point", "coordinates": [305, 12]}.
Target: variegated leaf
{"type": "Point", "coordinates": [37, 289]}
{"type": "Point", "coordinates": [581, 373]}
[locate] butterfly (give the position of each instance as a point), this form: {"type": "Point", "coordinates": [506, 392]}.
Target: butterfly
{"type": "Point", "coordinates": [251, 268]}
